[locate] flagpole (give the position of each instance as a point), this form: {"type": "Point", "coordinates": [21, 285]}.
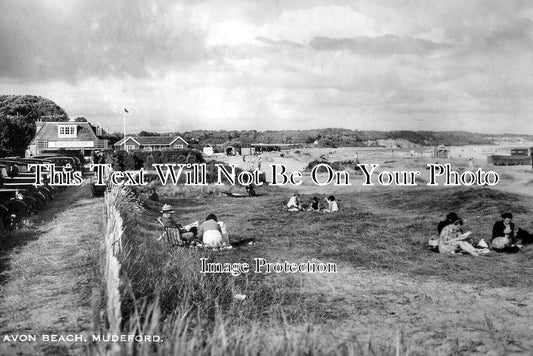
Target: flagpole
{"type": "Point", "coordinates": [124, 123]}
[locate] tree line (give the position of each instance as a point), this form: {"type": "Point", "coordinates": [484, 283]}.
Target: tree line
{"type": "Point", "coordinates": [337, 137]}
{"type": "Point", "coordinates": [18, 114]}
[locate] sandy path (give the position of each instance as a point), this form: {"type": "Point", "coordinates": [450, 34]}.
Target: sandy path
{"type": "Point", "coordinates": [49, 285]}
{"type": "Point", "coordinates": [430, 316]}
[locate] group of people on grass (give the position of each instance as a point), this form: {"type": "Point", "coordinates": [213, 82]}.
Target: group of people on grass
{"type": "Point", "coordinates": [295, 204]}
{"type": "Point", "coordinates": [504, 238]}
{"type": "Point", "coordinates": [451, 236]}
{"type": "Point", "coordinates": [210, 233]}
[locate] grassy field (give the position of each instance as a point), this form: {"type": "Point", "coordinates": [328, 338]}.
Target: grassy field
{"type": "Point", "coordinates": [390, 295]}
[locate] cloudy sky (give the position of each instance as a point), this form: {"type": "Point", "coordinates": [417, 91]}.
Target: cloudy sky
{"type": "Point", "coordinates": [275, 64]}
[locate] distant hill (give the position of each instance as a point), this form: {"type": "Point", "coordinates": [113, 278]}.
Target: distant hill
{"type": "Point", "coordinates": [335, 137]}
{"type": "Point", "coordinates": [18, 114]}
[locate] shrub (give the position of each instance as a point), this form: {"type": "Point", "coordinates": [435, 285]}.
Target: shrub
{"type": "Point", "coordinates": [337, 165]}
{"type": "Point", "coordinates": [122, 160]}
{"type": "Point", "coordinates": [148, 162]}
{"type": "Point", "coordinates": [119, 160]}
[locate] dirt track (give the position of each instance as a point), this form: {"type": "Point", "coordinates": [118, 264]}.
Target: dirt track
{"type": "Point", "coordinates": [47, 289]}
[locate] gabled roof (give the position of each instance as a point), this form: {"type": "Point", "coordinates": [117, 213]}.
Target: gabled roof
{"type": "Point", "coordinates": [49, 131]}
{"type": "Point", "coordinates": [152, 140]}
{"type": "Point", "coordinates": [121, 142]}
{"type": "Point", "coordinates": [179, 138]}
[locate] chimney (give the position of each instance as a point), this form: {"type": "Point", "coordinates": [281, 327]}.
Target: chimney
{"type": "Point", "coordinates": [38, 125]}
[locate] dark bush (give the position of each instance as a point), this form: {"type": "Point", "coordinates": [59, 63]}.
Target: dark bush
{"type": "Point", "coordinates": [118, 160]}
{"type": "Point", "coordinates": [337, 165]}
{"type": "Point", "coordinates": [148, 162]}
{"type": "Point", "coordinates": [123, 160]}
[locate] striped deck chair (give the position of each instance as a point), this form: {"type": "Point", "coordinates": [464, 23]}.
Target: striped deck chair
{"type": "Point", "coordinates": [172, 234]}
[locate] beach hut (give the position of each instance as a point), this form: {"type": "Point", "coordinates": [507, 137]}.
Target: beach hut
{"type": "Point", "coordinates": [441, 151]}
{"type": "Point", "coordinates": [520, 152]}
{"type": "Point", "coordinates": [208, 150]}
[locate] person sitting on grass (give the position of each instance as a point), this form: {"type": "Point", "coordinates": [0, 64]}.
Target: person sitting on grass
{"type": "Point", "coordinates": [210, 232]}
{"type": "Point", "coordinates": [451, 239]}
{"type": "Point", "coordinates": [153, 195]}
{"type": "Point", "coordinates": [250, 190]}
{"type": "Point", "coordinates": [332, 205]}
{"type": "Point", "coordinates": [503, 235]}
{"type": "Point", "coordinates": [294, 203]}
{"type": "Point", "coordinates": [147, 200]}
{"type": "Point", "coordinates": [523, 237]}
{"type": "Point", "coordinates": [315, 205]}
{"type": "Point", "coordinates": [450, 218]}
{"type": "Point", "coordinates": [433, 242]}
{"type": "Point", "coordinates": [167, 219]}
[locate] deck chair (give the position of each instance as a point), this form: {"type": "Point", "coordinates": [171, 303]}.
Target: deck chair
{"type": "Point", "coordinates": [172, 235]}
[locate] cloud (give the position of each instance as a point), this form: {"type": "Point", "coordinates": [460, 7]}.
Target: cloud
{"type": "Point", "coordinates": [97, 38]}
{"type": "Point", "coordinates": [386, 45]}
{"type": "Point", "coordinates": [327, 21]}
{"type": "Point", "coordinates": [274, 64]}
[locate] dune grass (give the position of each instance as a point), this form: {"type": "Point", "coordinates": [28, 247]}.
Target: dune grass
{"type": "Point", "coordinates": [384, 230]}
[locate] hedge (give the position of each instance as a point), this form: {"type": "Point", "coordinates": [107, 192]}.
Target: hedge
{"type": "Point", "coordinates": [134, 160]}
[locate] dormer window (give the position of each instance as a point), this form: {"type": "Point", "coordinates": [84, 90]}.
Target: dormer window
{"type": "Point", "coordinates": [67, 130]}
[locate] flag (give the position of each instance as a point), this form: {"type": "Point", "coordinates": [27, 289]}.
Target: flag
{"type": "Point", "coordinates": [126, 110]}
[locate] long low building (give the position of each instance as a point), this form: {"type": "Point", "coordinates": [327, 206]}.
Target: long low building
{"type": "Point", "coordinates": [151, 143]}
{"type": "Point", "coordinates": [272, 147]}
{"type": "Point", "coordinates": [518, 157]}
{"type": "Point", "coordinates": [501, 160]}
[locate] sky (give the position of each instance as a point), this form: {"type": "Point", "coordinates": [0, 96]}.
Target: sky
{"type": "Point", "coordinates": [275, 64]}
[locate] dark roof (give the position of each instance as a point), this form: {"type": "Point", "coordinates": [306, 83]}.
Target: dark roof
{"type": "Point", "coordinates": [275, 144]}
{"type": "Point", "coordinates": [48, 131]}
{"type": "Point", "coordinates": [152, 140]}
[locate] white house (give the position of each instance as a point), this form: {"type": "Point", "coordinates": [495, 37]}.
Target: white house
{"type": "Point", "coordinates": [151, 143]}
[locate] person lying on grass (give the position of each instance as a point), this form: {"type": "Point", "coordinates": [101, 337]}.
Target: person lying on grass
{"type": "Point", "coordinates": [452, 240]}
{"type": "Point", "coordinates": [167, 219]}
{"type": "Point", "coordinates": [294, 203]}
{"type": "Point", "coordinates": [332, 205]}
{"type": "Point", "coordinates": [503, 235]}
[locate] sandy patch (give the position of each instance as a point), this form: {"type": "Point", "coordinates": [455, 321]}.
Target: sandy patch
{"type": "Point", "coordinates": [429, 315]}
{"type": "Point", "coordinates": [514, 179]}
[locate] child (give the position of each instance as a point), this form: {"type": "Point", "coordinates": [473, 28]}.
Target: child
{"type": "Point", "coordinates": [315, 205]}
{"type": "Point", "coordinates": [332, 205]}
{"type": "Point", "coordinates": [294, 203]}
